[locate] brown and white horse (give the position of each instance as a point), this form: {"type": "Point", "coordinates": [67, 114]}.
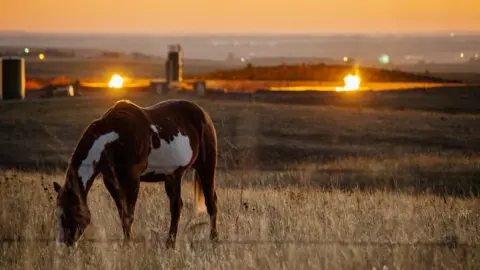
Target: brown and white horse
{"type": "Point", "coordinates": [130, 144]}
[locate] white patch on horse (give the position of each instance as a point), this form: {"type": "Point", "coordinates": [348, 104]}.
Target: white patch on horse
{"type": "Point", "coordinates": [60, 232]}
{"type": "Point", "coordinates": [170, 156]}
{"type": "Point", "coordinates": [155, 128]}
{"type": "Point", "coordinates": [59, 212]}
{"type": "Point", "coordinates": [86, 169]}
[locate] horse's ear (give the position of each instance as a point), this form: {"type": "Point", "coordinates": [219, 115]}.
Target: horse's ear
{"type": "Point", "coordinates": [56, 186]}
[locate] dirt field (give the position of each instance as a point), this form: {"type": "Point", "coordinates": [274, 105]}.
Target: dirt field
{"type": "Point", "coordinates": [299, 187]}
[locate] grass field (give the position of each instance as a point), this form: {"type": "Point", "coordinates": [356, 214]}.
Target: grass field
{"type": "Point", "coordinates": [299, 187]}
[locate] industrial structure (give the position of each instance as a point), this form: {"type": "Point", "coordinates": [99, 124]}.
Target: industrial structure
{"type": "Point", "coordinates": [174, 64]}
{"type": "Point", "coordinates": [199, 88]}
{"type": "Point", "coordinates": [12, 78]}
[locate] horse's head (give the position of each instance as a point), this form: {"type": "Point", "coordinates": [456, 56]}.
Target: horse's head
{"type": "Point", "coordinates": [72, 212]}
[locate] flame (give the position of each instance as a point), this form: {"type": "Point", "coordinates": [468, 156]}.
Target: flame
{"type": "Point", "coordinates": [70, 91]}
{"type": "Point", "coordinates": [116, 81]}
{"type": "Point", "coordinates": [352, 83]}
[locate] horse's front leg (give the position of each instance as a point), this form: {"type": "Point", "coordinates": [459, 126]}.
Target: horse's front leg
{"type": "Point", "coordinates": [130, 188]}
{"type": "Point", "coordinates": [124, 192]}
{"type": "Point", "coordinates": [173, 189]}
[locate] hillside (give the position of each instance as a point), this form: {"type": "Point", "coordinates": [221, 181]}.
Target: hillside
{"type": "Point", "coordinates": [319, 72]}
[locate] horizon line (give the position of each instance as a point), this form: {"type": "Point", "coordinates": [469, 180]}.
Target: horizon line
{"type": "Point", "coordinates": [240, 33]}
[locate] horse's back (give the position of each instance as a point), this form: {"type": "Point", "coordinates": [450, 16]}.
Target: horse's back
{"type": "Point", "coordinates": [179, 110]}
{"type": "Point", "coordinates": [172, 104]}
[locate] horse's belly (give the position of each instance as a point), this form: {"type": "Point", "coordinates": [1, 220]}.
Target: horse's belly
{"type": "Point", "coordinates": [169, 156]}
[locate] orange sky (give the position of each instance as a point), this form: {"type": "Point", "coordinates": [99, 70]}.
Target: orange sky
{"type": "Point", "coordinates": [227, 16]}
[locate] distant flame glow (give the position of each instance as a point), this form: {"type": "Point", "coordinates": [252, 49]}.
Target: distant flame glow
{"type": "Point", "coordinates": [352, 83]}
{"type": "Point", "coordinates": [70, 91]}
{"type": "Point", "coordinates": [116, 81]}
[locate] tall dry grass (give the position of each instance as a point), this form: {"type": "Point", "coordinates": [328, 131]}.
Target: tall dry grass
{"type": "Point", "coordinates": [299, 187]}
{"type": "Point", "coordinates": [269, 228]}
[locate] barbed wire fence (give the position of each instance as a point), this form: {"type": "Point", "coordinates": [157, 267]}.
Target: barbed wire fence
{"type": "Point", "coordinates": [446, 244]}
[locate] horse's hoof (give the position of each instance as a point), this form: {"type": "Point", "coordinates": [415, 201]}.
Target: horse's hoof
{"type": "Point", "coordinates": [214, 237]}
{"type": "Point", "coordinates": [127, 244]}
{"type": "Point", "coordinates": [170, 243]}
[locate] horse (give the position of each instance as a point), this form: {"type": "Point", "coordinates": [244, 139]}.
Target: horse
{"type": "Point", "coordinates": [130, 144]}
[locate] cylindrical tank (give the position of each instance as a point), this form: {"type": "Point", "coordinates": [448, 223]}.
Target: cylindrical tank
{"type": "Point", "coordinates": [12, 78]}
{"type": "Point", "coordinates": [174, 64]}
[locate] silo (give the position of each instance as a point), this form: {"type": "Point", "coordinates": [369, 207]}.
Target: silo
{"type": "Point", "coordinates": [1, 81]}
{"type": "Point", "coordinates": [12, 78]}
{"type": "Point", "coordinates": [174, 64]}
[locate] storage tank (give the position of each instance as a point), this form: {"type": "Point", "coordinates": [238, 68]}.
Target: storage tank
{"type": "Point", "coordinates": [12, 78]}
{"type": "Point", "coordinates": [1, 81]}
{"type": "Point", "coordinates": [174, 64]}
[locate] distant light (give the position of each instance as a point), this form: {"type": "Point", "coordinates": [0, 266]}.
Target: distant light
{"type": "Point", "coordinates": [27, 50]}
{"type": "Point", "coordinates": [116, 81]}
{"type": "Point", "coordinates": [41, 56]}
{"type": "Point", "coordinates": [384, 59]}
{"type": "Point", "coordinates": [452, 34]}
{"type": "Point", "coordinates": [242, 59]}
{"type": "Point", "coordinates": [352, 83]}
{"type": "Point", "coordinates": [462, 55]}
{"type": "Point", "coordinates": [476, 55]}
{"type": "Point", "coordinates": [71, 92]}
{"type": "Point", "coordinates": [345, 59]}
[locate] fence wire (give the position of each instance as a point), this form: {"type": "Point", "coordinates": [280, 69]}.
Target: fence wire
{"type": "Point", "coordinates": [266, 242]}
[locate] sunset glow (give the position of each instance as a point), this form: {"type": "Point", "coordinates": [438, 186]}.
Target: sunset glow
{"type": "Point", "coordinates": [248, 16]}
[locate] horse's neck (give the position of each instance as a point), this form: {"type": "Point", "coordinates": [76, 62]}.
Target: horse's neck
{"type": "Point", "coordinates": [75, 184]}
{"type": "Point", "coordinates": [88, 166]}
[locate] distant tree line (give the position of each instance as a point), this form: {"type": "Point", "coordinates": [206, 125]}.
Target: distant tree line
{"type": "Point", "coordinates": [319, 72]}
{"type": "Point", "coordinates": [33, 53]}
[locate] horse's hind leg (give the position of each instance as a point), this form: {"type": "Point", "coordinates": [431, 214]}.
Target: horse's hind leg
{"type": "Point", "coordinates": [173, 189]}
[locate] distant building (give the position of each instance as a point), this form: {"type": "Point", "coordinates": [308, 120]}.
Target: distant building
{"type": "Point", "coordinates": [174, 64]}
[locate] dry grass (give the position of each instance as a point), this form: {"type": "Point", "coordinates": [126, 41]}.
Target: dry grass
{"type": "Point", "coordinates": [269, 229]}
{"type": "Point", "coordinates": [323, 188]}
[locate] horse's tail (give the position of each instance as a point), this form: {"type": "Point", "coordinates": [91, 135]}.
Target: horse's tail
{"type": "Point", "coordinates": [207, 162]}
{"type": "Point", "coordinates": [199, 198]}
